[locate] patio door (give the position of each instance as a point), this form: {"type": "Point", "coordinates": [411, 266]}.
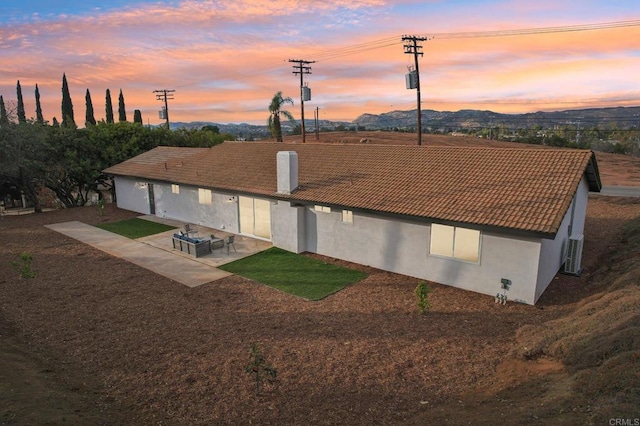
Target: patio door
{"type": "Point", "coordinates": [255, 217]}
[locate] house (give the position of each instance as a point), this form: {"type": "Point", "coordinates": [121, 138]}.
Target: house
{"type": "Point", "coordinates": [489, 220]}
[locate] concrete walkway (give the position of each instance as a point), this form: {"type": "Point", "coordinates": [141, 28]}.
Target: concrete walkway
{"type": "Point", "coordinates": [184, 270]}
{"type": "Point", "coordinates": [620, 191]}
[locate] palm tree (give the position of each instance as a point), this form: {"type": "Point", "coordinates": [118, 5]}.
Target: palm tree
{"type": "Point", "coordinates": [274, 118]}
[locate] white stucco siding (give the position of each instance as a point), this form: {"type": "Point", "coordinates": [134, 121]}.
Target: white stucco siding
{"type": "Point", "coordinates": [132, 194]}
{"type": "Point", "coordinates": [553, 250]}
{"type": "Point", "coordinates": [403, 247]}
{"type": "Point", "coordinates": [392, 245]}
{"type": "Point", "coordinates": [184, 206]}
{"type": "Point", "coordinates": [501, 256]}
{"type": "Point", "coordinates": [288, 225]}
{"type": "Point", "coordinates": [222, 213]}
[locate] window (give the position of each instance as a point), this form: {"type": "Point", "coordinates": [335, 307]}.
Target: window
{"type": "Point", "coordinates": [175, 188]}
{"type": "Point", "coordinates": [455, 242]}
{"type": "Point", "coordinates": [323, 209]}
{"type": "Point", "coordinates": [347, 216]}
{"type": "Point", "coordinates": [204, 196]}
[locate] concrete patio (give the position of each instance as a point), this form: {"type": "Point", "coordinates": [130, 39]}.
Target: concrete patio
{"type": "Point", "coordinates": [245, 246]}
{"type": "Point", "coordinates": [156, 252]}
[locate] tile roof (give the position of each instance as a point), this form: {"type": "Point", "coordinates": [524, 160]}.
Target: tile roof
{"type": "Point", "coordinates": [524, 189]}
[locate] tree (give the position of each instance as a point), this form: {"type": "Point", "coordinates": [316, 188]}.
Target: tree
{"type": "Point", "coordinates": [137, 117]}
{"type": "Point", "coordinates": [39, 117]}
{"type": "Point", "coordinates": [89, 116]}
{"type": "Point", "coordinates": [22, 118]}
{"type": "Point", "coordinates": [109, 108]}
{"type": "Point", "coordinates": [122, 114]}
{"type": "Point", "coordinates": [275, 109]}
{"type": "Point", "coordinates": [22, 159]}
{"type": "Point", "coordinates": [67, 105]}
{"type": "Point", "coordinates": [4, 118]}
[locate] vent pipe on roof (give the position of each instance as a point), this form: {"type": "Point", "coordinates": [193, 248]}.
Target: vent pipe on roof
{"type": "Point", "coordinates": [287, 171]}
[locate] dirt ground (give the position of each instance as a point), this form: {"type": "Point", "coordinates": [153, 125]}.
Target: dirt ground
{"type": "Point", "coordinates": [94, 340]}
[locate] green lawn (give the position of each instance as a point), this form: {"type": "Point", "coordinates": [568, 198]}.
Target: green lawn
{"type": "Point", "coordinates": [135, 228]}
{"type": "Point", "coordinates": [294, 274]}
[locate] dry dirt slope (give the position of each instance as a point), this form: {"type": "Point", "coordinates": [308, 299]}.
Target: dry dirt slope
{"type": "Point", "coordinates": [581, 368]}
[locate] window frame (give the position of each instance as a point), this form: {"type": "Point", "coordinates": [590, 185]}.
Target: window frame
{"type": "Point", "coordinates": [349, 216]}
{"type": "Point", "coordinates": [453, 231]}
{"type": "Point", "coordinates": [205, 197]}
{"type": "Point", "coordinates": [175, 188]}
{"type": "Point", "coordinates": [321, 208]}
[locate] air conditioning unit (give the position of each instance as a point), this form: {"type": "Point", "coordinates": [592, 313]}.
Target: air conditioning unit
{"type": "Point", "coordinates": [574, 255]}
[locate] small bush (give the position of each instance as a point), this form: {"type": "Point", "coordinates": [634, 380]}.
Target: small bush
{"type": "Point", "coordinates": [422, 292]}
{"type": "Point", "coordinates": [259, 368]}
{"type": "Point", "coordinates": [24, 266]}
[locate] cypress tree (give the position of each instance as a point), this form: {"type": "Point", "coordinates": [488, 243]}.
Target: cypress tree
{"type": "Point", "coordinates": [4, 119]}
{"type": "Point", "coordinates": [137, 117]}
{"type": "Point", "coordinates": [39, 117]}
{"type": "Point", "coordinates": [67, 105]}
{"type": "Point", "coordinates": [109, 108]}
{"type": "Point", "coordinates": [22, 117]}
{"type": "Point", "coordinates": [122, 114]}
{"type": "Point", "coordinates": [89, 117]}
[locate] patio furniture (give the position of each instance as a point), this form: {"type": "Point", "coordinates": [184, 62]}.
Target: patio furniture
{"type": "Point", "coordinates": [216, 243]}
{"type": "Point", "coordinates": [230, 243]}
{"type": "Point", "coordinates": [189, 229]}
{"type": "Point", "coordinates": [194, 246]}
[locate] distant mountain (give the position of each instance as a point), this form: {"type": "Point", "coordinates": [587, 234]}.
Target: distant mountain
{"type": "Point", "coordinates": [622, 117]}
{"type": "Point", "coordinates": [447, 121]}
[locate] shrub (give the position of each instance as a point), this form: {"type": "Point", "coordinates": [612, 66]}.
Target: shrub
{"type": "Point", "coordinates": [259, 368]}
{"type": "Point", "coordinates": [422, 292]}
{"type": "Point", "coordinates": [24, 266]}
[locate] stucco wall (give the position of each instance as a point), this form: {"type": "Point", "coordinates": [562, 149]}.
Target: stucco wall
{"type": "Point", "coordinates": [552, 251]}
{"type": "Point", "coordinates": [132, 194]}
{"type": "Point", "coordinates": [222, 213]}
{"type": "Point", "coordinates": [288, 226]}
{"type": "Point", "coordinates": [403, 247]}
{"type": "Point", "coordinates": [184, 206]}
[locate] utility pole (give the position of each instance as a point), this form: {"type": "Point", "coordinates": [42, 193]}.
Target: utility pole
{"type": "Point", "coordinates": [164, 95]}
{"type": "Point", "coordinates": [413, 48]}
{"type": "Point", "coordinates": [317, 120]}
{"type": "Point", "coordinates": [302, 68]}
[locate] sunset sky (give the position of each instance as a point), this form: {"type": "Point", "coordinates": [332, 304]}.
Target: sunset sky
{"type": "Point", "coordinates": [225, 59]}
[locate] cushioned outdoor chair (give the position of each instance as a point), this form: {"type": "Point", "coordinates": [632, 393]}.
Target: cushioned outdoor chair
{"type": "Point", "coordinates": [230, 243]}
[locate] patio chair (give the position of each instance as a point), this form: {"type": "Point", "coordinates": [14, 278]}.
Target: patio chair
{"type": "Point", "coordinates": [230, 243]}
{"type": "Point", "coordinates": [188, 229]}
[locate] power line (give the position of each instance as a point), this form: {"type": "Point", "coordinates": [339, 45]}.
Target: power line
{"type": "Point", "coordinates": [541, 30]}
{"type": "Point", "coordinates": [391, 41]}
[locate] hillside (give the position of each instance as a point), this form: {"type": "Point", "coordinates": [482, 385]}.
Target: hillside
{"type": "Point", "coordinates": [581, 368]}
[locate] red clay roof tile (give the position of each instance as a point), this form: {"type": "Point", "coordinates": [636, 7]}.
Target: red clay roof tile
{"type": "Point", "coordinates": [525, 189]}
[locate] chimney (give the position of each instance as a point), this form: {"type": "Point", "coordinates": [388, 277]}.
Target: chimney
{"type": "Point", "coordinates": [287, 169]}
